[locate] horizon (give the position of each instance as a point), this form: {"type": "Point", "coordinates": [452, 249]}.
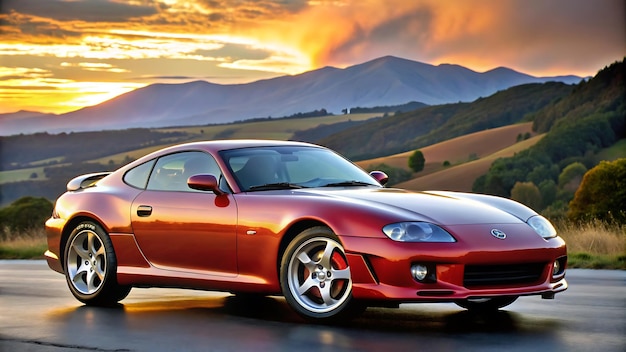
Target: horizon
{"type": "Point", "coordinates": [59, 56]}
{"type": "Point", "coordinates": [226, 84]}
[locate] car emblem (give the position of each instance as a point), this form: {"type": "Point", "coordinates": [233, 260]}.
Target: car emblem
{"type": "Point", "coordinates": [498, 234]}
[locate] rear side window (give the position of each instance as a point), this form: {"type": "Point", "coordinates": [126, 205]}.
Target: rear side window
{"type": "Point", "coordinates": [138, 176]}
{"type": "Point", "coordinates": [172, 171]}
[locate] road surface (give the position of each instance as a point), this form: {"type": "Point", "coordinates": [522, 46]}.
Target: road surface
{"type": "Point", "coordinates": [38, 313]}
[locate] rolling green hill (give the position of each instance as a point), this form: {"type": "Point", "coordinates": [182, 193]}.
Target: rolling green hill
{"type": "Point", "coordinates": [430, 125]}
{"type": "Point", "coordinates": [458, 151]}
{"type": "Point", "coordinates": [578, 128]}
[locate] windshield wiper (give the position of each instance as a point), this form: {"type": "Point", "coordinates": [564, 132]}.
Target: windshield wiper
{"type": "Point", "coordinates": [348, 184]}
{"type": "Point", "coordinates": [272, 186]}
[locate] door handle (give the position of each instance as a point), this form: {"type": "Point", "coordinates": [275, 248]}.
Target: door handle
{"type": "Point", "coordinates": [144, 210]}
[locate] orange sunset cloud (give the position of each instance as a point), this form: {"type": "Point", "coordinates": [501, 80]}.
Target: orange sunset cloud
{"type": "Point", "coordinates": [60, 55]}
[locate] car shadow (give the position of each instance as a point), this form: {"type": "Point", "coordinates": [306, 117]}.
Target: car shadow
{"type": "Point", "coordinates": [381, 319]}
{"type": "Point", "coordinates": [258, 309]}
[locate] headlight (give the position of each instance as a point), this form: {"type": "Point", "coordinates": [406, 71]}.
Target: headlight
{"type": "Point", "coordinates": [417, 232]}
{"type": "Point", "coordinates": [542, 226]}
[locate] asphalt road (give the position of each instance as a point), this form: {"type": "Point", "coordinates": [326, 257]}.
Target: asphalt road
{"type": "Point", "coordinates": [38, 313]}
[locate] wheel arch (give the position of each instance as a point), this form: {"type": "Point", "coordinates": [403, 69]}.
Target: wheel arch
{"type": "Point", "coordinates": [293, 231]}
{"type": "Point", "coordinates": [69, 227]}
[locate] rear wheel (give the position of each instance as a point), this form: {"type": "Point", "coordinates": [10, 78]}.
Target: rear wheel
{"type": "Point", "coordinates": [91, 266]}
{"type": "Point", "coordinates": [315, 276]}
{"type": "Point", "coordinates": [486, 304]}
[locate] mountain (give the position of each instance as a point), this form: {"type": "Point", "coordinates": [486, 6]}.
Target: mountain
{"type": "Point", "coordinates": [384, 81]}
{"type": "Point", "coordinates": [24, 119]}
{"type": "Point", "coordinates": [22, 114]}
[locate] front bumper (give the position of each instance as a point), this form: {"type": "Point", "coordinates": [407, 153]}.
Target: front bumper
{"type": "Point", "coordinates": [484, 267]}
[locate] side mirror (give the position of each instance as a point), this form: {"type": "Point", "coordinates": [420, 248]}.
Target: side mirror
{"type": "Point", "coordinates": [380, 176]}
{"type": "Point", "coordinates": [204, 183]}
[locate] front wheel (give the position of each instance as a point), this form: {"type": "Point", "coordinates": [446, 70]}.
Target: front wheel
{"type": "Point", "coordinates": [91, 266]}
{"type": "Point", "coordinates": [315, 276]}
{"type": "Point", "coordinates": [485, 305]}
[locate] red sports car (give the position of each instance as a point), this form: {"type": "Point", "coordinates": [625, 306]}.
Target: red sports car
{"type": "Point", "coordinates": [294, 219]}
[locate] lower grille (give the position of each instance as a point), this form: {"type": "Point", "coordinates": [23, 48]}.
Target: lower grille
{"type": "Point", "coordinates": [502, 275]}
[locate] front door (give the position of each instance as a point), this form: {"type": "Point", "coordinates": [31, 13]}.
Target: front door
{"type": "Point", "coordinates": [178, 228]}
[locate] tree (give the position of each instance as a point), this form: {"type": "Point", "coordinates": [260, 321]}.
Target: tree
{"type": "Point", "coordinates": [527, 193]}
{"type": "Point", "coordinates": [25, 213]}
{"type": "Point", "coordinates": [602, 194]}
{"type": "Point", "coordinates": [548, 191]}
{"type": "Point", "coordinates": [417, 161]}
{"type": "Point", "coordinates": [571, 176]}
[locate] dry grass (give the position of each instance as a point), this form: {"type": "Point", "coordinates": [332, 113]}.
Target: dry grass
{"type": "Point", "coordinates": [594, 237]}
{"type": "Point", "coordinates": [459, 149]}
{"type": "Point", "coordinates": [594, 244]}
{"type": "Point", "coordinates": [29, 244]}
{"type": "Point", "coordinates": [486, 145]}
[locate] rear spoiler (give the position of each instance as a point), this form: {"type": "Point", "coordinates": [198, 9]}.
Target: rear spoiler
{"type": "Point", "coordinates": [85, 181]}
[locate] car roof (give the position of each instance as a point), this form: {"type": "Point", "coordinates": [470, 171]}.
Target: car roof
{"type": "Point", "coordinates": [218, 145]}
{"type": "Point", "coordinates": [215, 146]}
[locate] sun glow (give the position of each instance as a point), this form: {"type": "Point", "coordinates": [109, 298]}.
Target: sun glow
{"type": "Point", "coordinates": [51, 48]}
{"type": "Point", "coordinates": [282, 58]}
{"type": "Point", "coordinates": [54, 95]}
{"type": "Point", "coordinates": [92, 93]}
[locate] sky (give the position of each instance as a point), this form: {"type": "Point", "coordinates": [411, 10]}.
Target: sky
{"type": "Point", "coordinates": [58, 56]}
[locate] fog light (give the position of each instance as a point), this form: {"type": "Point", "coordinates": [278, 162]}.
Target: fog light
{"type": "Point", "coordinates": [419, 271]}
{"type": "Point", "coordinates": [556, 267]}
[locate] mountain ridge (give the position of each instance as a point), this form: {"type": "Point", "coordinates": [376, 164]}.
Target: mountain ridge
{"type": "Point", "coordinates": [387, 80]}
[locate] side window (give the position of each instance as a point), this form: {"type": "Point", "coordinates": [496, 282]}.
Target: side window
{"type": "Point", "coordinates": [172, 171]}
{"type": "Point", "coordinates": [138, 176]}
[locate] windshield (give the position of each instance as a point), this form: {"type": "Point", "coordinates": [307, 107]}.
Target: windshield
{"type": "Point", "coordinates": [284, 167]}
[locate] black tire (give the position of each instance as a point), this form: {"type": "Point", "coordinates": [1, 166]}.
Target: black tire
{"type": "Point", "coordinates": [91, 266]}
{"type": "Point", "coordinates": [486, 305]}
{"type": "Point", "coordinates": [315, 276]}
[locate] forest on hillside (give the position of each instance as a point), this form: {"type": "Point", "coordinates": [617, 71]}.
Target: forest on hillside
{"type": "Point", "coordinates": [429, 125]}
{"type": "Point", "coordinates": [578, 126]}
{"type": "Point", "coordinates": [19, 151]}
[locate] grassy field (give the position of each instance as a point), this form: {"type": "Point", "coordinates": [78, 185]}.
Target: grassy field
{"type": "Point", "coordinates": [29, 244]}
{"type": "Point", "coordinates": [469, 156]}
{"type": "Point", "coordinates": [279, 129]}
{"type": "Point", "coordinates": [21, 174]}
{"type": "Point", "coordinates": [458, 150]}
{"type": "Point", "coordinates": [461, 177]}
{"type": "Point", "coordinates": [267, 129]}
{"type": "Point", "coordinates": [595, 245]}
{"type": "Point", "coordinates": [618, 150]}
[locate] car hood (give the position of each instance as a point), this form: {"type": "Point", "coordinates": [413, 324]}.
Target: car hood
{"type": "Point", "coordinates": [443, 209]}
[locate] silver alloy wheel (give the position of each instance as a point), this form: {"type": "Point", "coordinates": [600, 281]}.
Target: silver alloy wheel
{"type": "Point", "coordinates": [87, 262]}
{"type": "Point", "coordinates": [319, 275]}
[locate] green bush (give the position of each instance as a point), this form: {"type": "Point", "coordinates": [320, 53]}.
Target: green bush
{"type": "Point", "coordinates": [417, 161]}
{"type": "Point", "coordinates": [25, 213]}
{"type": "Point", "coordinates": [602, 194]}
{"type": "Point", "coordinates": [527, 193]}
{"type": "Point", "coordinates": [571, 176]}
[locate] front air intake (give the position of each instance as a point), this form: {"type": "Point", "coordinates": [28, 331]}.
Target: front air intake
{"type": "Point", "coordinates": [503, 275]}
